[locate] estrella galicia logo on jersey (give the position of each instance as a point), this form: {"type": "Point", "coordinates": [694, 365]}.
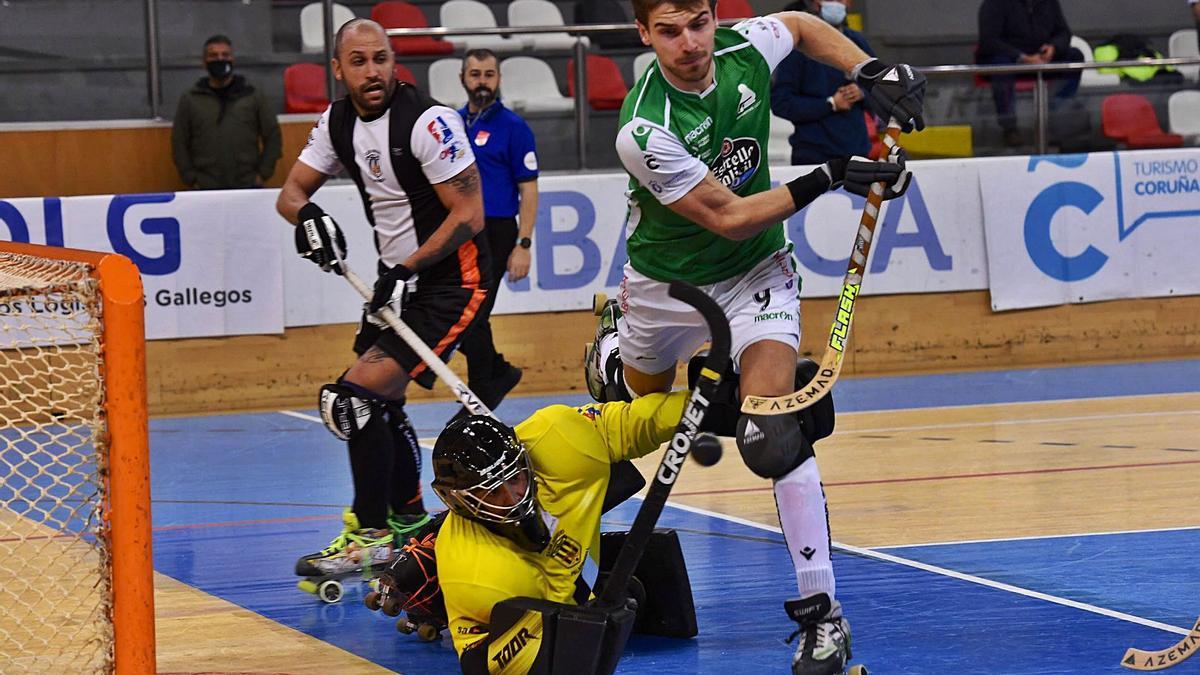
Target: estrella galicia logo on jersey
{"type": "Point", "coordinates": [440, 130]}
{"type": "Point", "coordinates": [738, 161]}
{"type": "Point", "coordinates": [374, 165]}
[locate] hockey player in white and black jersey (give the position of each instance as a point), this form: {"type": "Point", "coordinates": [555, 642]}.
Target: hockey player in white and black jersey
{"type": "Point", "coordinates": [420, 188]}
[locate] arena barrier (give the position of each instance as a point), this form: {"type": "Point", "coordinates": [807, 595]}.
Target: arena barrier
{"type": "Point", "coordinates": [1035, 231]}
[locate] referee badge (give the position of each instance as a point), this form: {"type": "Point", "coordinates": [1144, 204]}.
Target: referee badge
{"type": "Point", "coordinates": [482, 137]}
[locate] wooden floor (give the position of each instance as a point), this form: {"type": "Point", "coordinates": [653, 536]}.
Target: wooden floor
{"type": "Point", "coordinates": [929, 475]}
{"type": "Point", "coordinates": [892, 477]}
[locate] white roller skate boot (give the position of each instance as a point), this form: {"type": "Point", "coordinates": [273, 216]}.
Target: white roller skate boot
{"type": "Point", "coordinates": [824, 645]}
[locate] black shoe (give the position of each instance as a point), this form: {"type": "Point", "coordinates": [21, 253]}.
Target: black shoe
{"type": "Point", "coordinates": [498, 388]}
{"type": "Point", "coordinates": [493, 392]}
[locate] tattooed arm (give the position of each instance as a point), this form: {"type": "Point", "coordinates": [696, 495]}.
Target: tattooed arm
{"type": "Point", "coordinates": [463, 197]}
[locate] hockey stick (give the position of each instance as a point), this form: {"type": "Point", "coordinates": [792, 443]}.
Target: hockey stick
{"type": "Point", "coordinates": [839, 334]}
{"type": "Point", "coordinates": [439, 368]}
{"type": "Point", "coordinates": [717, 361]}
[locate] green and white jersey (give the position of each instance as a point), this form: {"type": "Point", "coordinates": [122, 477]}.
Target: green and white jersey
{"type": "Point", "coordinates": [670, 139]}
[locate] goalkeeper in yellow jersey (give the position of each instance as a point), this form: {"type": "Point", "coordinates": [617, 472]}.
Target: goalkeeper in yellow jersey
{"type": "Point", "coordinates": [525, 506]}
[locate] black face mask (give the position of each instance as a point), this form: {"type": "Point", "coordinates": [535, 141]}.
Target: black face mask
{"type": "Point", "coordinates": [219, 69]}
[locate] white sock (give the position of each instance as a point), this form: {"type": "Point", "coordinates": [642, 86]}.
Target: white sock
{"type": "Point", "coordinates": [800, 500]}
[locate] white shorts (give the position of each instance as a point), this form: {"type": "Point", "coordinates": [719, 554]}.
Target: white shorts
{"type": "Point", "coordinates": [660, 331]}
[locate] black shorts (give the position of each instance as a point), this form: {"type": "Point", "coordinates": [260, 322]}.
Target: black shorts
{"type": "Point", "coordinates": [439, 315]}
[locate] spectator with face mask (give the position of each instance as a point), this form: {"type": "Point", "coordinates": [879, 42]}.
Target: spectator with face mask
{"type": "Point", "coordinates": [825, 106]}
{"type": "Point", "coordinates": [225, 136]}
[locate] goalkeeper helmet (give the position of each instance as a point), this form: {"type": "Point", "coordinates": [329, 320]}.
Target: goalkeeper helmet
{"type": "Point", "coordinates": [481, 471]}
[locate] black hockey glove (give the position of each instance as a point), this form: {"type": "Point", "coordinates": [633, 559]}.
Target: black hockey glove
{"type": "Point", "coordinates": [893, 91]}
{"type": "Point", "coordinates": [856, 174]}
{"type": "Point", "coordinates": [319, 239]}
{"type": "Point", "coordinates": [390, 290]}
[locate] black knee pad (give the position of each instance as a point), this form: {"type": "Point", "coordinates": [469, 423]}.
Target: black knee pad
{"type": "Point", "coordinates": [346, 410]}
{"type": "Point", "coordinates": [816, 421]}
{"type": "Point", "coordinates": [772, 445]}
{"type": "Point", "coordinates": [725, 406]}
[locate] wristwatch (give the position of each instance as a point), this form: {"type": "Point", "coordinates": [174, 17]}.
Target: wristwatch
{"type": "Point", "coordinates": [524, 242]}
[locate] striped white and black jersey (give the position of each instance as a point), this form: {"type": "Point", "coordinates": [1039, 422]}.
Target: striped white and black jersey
{"type": "Point", "coordinates": [397, 158]}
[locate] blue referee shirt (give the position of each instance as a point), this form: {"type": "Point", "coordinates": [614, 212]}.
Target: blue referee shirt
{"type": "Point", "coordinates": [505, 153]}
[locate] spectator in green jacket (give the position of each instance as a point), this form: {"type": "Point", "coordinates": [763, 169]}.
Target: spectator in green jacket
{"type": "Point", "coordinates": [225, 136]}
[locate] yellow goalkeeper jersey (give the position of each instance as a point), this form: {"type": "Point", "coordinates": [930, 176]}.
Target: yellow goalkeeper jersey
{"type": "Point", "coordinates": [570, 450]}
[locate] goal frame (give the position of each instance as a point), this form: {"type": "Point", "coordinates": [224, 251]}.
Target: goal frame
{"type": "Point", "coordinates": [127, 511]}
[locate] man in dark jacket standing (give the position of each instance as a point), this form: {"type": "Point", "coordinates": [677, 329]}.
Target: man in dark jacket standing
{"type": "Point", "coordinates": [825, 106]}
{"type": "Point", "coordinates": [225, 136]}
{"type": "Point", "coordinates": [1024, 31]}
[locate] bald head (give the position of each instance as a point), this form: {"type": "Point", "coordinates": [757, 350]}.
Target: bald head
{"type": "Point", "coordinates": [357, 28]}
{"type": "Point", "coordinates": [364, 63]}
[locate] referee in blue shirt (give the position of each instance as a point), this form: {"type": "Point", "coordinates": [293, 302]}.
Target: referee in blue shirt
{"type": "Point", "coordinates": [507, 161]}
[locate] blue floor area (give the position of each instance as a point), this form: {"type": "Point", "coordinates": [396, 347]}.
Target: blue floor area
{"type": "Point", "coordinates": [1014, 386]}
{"type": "Point", "coordinates": [1091, 569]}
{"type": "Point", "coordinates": [237, 498]}
{"type": "Point", "coordinates": [929, 391]}
{"type": "Point", "coordinates": [905, 620]}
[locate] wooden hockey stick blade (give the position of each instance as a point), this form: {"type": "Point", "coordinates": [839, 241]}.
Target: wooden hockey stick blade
{"type": "Point", "coordinates": [839, 333]}
{"type": "Point", "coordinates": [1138, 659]}
{"type": "Point", "coordinates": [461, 391]}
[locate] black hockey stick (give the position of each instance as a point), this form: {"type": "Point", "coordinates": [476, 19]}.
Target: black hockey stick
{"type": "Point", "coordinates": [616, 587]}
{"type": "Point", "coordinates": [839, 334]}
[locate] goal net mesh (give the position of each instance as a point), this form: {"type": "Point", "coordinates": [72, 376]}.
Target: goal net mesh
{"type": "Point", "coordinates": [55, 564]}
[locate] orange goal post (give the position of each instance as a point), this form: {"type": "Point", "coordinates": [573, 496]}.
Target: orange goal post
{"type": "Point", "coordinates": [76, 573]}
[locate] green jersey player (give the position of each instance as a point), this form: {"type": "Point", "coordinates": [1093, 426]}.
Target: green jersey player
{"type": "Point", "coordinates": [701, 208]}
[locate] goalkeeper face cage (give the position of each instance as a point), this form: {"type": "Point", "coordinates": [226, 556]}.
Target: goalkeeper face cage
{"type": "Point", "coordinates": [482, 472]}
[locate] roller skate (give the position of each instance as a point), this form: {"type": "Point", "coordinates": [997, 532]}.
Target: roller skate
{"type": "Point", "coordinates": [824, 646]}
{"type": "Point", "coordinates": [406, 526]}
{"type": "Point", "coordinates": [356, 552]}
{"type": "Point", "coordinates": [602, 367]}
{"type": "Point", "coordinates": [409, 585]}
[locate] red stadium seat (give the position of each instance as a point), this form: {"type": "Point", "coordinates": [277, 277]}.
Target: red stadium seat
{"type": "Point", "coordinates": [304, 88]}
{"type": "Point", "coordinates": [403, 74]}
{"type": "Point", "coordinates": [735, 9]}
{"type": "Point", "coordinates": [398, 14]}
{"type": "Point", "coordinates": [1130, 119]}
{"type": "Point", "coordinates": [606, 87]}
